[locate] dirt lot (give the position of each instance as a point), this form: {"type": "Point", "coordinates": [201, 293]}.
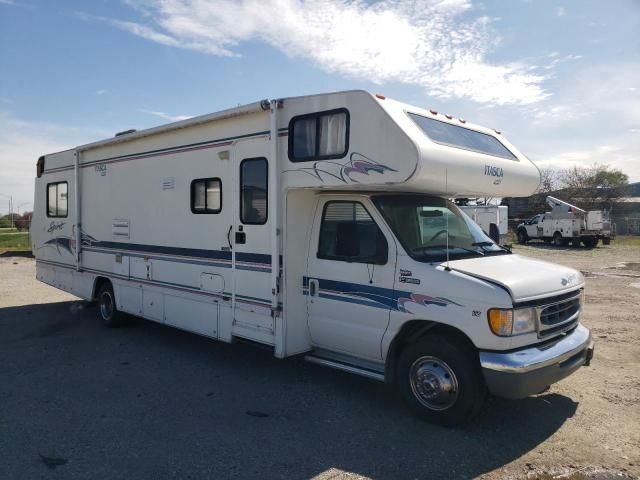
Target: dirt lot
{"type": "Point", "coordinates": [147, 401]}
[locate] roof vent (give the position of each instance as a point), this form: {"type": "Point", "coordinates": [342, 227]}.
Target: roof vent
{"type": "Point", "coordinates": [125, 132]}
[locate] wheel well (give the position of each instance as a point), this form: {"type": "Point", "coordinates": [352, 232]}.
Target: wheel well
{"type": "Point", "coordinates": [97, 285]}
{"type": "Point", "coordinates": [412, 331]}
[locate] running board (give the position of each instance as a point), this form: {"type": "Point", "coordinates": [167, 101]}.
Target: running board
{"type": "Point", "coordinates": [364, 369]}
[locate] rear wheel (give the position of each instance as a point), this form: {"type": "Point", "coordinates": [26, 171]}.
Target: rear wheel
{"type": "Point", "coordinates": [558, 241]}
{"type": "Point", "coordinates": [522, 236]}
{"type": "Point", "coordinates": [440, 380]}
{"type": "Point", "coordinates": [107, 311]}
{"type": "Point", "coordinates": [590, 242]}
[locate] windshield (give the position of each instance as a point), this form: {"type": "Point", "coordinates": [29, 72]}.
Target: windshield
{"type": "Point", "coordinates": [421, 224]}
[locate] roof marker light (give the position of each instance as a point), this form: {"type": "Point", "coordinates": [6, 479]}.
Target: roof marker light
{"type": "Point", "coordinates": [380, 96]}
{"type": "Point", "coordinates": [434, 112]}
{"type": "Point", "coordinates": [462, 120]}
{"type": "Point", "coordinates": [497, 131]}
{"type": "Point", "coordinates": [448, 116]}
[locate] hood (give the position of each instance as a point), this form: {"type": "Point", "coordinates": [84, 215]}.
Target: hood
{"type": "Point", "coordinates": [525, 278]}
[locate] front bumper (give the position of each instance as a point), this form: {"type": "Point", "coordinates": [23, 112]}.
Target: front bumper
{"type": "Point", "coordinates": [529, 371]}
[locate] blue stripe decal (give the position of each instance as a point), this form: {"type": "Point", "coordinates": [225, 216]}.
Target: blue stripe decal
{"type": "Point", "coordinates": [371, 296]}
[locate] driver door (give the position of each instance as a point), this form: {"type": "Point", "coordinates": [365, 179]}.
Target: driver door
{"type": "Point", "coordinates": [350, 278]}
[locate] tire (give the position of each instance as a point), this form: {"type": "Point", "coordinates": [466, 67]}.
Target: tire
{"type": "Point", "coordinates": [558, 241]}
{"type": "Point", "coordinates": [606, 240]}
{"type": "Point", "coordinates": [522, 236]}
{"type": "Point", "coordinates": [440, 380]}
{"type": "Point", "coordinates": [107, 311]}
{"type": "Point", "coordinates": [590, 242]}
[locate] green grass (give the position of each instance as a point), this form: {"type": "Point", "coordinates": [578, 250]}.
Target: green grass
{"type": "Point", "coordinates": [627, 240]}
{"type": "Point", "coordinates": [15, 241]}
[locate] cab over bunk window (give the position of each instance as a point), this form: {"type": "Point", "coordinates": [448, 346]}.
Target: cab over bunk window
{"type": "Point", "coordinates": [206, 195]}
{"type": "Point", "coordinates": [57, 199]}
{"type": "Point", "coordinates": [319, 136]}
{"type": "Point", "coordinates": [254, 200]}
{"type": "Point", "coordinates": [349, 234]}
{"type": "Point", "coordinates": [461, 137]}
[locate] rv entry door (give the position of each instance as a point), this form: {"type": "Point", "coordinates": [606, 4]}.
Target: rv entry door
{"type": "Point", "coordinates": [250, 235]}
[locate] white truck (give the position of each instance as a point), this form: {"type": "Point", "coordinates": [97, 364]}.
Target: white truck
{"type": "Point", "coordinates": [493, 219]}
{"type": "Point", "coordinates": [319, 226]}
{"type": "Point", "coordinates": [565, 224]}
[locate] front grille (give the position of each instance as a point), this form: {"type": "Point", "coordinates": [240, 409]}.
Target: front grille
{"type": "Point", "coordinates": [560, 312]}
{"type": "Point", "coordinates": [559, 317]}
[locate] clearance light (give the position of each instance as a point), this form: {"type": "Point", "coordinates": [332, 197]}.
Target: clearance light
{"type": "Point", "coordinates": [462, 120]}
{"type": "Point", "coordinates": [448, 116]}
{"type": "Point", "coordinates": [380, 96]}
{"type": "Point", "coordinates": [497, 131]}
{"type": "Point", "coordinates": [434, 112]}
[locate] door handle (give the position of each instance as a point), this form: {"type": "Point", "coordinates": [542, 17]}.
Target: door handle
{"type": "Point", "coordinates": [229, 237]}
{"type": "Point", "coordinates": [313, 287]}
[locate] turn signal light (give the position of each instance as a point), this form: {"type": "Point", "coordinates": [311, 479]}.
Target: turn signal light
{"type": "Point", "coordinates": [501, 321]}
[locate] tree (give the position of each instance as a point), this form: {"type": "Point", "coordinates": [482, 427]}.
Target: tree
{"type": "Point", "coordinates": [594, 187]}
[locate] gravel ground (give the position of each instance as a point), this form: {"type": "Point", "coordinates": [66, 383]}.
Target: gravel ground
{"type": "Point", "coordinates": [148, 401]}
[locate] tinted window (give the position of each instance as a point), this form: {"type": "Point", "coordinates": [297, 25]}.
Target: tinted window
{"type": "Point", "coordinates": [254, 191]}
{"type": "Point", "coordinates": [206, 195]}
{"type": "Point", "coordinates": [460, 137]}
{"type": "Point", "coordinates": [321, 135]}
{"type": "Point", "coordinates": [348, 233]}
{"type": "Point", "coordinates": [57, 199]}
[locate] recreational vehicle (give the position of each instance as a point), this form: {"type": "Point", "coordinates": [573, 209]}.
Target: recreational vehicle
{"type": "Point", "coordinates": [492, 219]}
{"type": "Point", "coordinates": [320, 226]}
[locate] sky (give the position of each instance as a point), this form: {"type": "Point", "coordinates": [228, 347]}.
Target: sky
{"type": "Point", "coordinates": [560, 79]}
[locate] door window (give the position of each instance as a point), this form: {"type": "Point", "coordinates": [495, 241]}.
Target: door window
{"type": "Point", "coordinates": [254, 199]}
{"type": "Point", "coordinates": [349, 234]}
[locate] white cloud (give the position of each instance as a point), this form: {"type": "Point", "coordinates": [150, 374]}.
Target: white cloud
{"type": "Point", "coordinates": [102, 91]}
{"type": "Point", "coordinates": [623, 156]}
{"type": "Point", "coordinates": [166, 116]}
{"type": "Point", "coordinates": [13, 3]}
{"type": "Point", "coordinates": [561, 12]}
{"type": "Point", "coordinates": [21, 143]}
{"type": "Point", "coordinates": [430, 43]}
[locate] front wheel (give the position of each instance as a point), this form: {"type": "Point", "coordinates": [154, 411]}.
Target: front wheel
{"type": "Point", "coordinates": [440, 380]}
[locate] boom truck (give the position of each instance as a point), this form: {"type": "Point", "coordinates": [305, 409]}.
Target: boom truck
{"type": "Point", "coordinates": [319, 226]}
{"type": "Point", "coordinates": [565, 224]}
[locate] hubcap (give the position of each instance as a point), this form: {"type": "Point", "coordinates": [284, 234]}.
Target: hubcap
{"type": "Point", "coordinates": [106, 305]}
{"type": "Point", "coordinates": [433, 383]}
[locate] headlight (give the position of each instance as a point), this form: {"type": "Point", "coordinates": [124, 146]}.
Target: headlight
{"type": "Point", "coordinates": [508, 322]}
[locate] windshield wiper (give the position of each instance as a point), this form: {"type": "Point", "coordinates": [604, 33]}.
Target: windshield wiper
{"type": "Point", "coordinates": [425, 248]}
{"type": "Point", "coordinates": [490, 244]}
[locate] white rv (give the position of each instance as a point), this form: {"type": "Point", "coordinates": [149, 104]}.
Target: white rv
{"type": "Point", "coordinates": [492, 219]}
{"type": "Point", "coordinates": [318, 225]}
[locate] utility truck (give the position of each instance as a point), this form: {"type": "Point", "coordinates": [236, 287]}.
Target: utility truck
{"type": "Point", "coordinates": [320, 226]}
{"type": "Point", "coordinates": [565, 224]}
{"type": "Point", "coordinates": [492, 219]}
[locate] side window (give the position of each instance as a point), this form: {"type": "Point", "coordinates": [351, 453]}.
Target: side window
{"type": "Point", "coordinates": [57, 199]}
{"type": "Point", "coordinates": [254, 201]}
{"type": "Point", "coordinates": [206, 195]}
{"type": "Point", "coordinates": [349, 234]}
{"type": "Point", "coordinates": [319, 136]}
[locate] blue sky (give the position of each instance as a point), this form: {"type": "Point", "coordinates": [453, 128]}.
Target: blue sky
{"type": "Point", "coordinates": [560, 79]}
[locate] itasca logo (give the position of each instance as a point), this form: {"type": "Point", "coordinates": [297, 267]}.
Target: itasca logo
{"type": "Point", "coordinates": [493, 171]}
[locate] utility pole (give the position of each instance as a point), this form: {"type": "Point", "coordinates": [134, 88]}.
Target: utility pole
{"type": "Point", "coordinates": [10, 207]}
